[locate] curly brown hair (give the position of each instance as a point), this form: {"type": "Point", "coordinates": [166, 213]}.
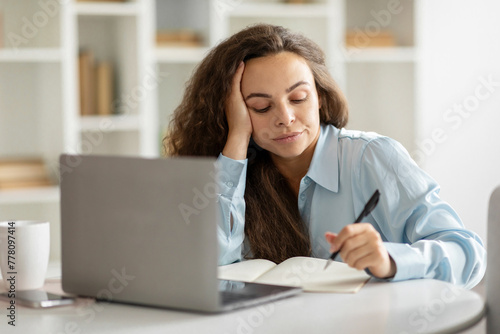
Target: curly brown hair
{"type": "Point", "coordinates": [273, 227]}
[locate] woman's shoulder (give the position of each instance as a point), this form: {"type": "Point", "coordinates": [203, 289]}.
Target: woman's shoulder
{"type": "Point", "coordinates": [372, 153]}
{"type": "Point", "coordinates": [362, 139]}
{"type": "Point", "coordinates": [362, 142]}
{"type": "Point", "coordinates": [356, 143]}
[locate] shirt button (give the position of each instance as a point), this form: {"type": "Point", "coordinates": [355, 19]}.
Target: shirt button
{"type": "Point", "coordinates": [307, 180]}
{"type": "Point", "coordinates": [230, 184]}
{"type": "Point", "coordinates": [303, 197]}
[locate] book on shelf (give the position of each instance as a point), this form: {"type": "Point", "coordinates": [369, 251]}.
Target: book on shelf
{"type": "Point", "coordinates": [4, 185]}
{"type": "Point", "coordinates": [305, 272]}
{"type": "Point", "coordinates": [104, 86]}
{"type": "Point", "coordinates": [96, 85]}
{"type": "Point", "coordinates": [359, 39]}
{"type": "Point", "coordinates": [178, 38]}
{"type": "Point", "coordinates": [23, 173]}
{"type": "Point", "coordinates": [87, 83]}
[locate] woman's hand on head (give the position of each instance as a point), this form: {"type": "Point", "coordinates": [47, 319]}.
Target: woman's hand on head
{"type": "Point", "coordinates": [361, 247]}
{"type": "Point", "coordinates": [238, 119]}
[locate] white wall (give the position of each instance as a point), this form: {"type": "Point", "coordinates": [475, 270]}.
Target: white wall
{"type": "Point", "coordinates": [460, 43]}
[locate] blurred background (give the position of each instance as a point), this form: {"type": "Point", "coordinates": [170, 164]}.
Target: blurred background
{"type": "Point", "coordinates": [102, 77]}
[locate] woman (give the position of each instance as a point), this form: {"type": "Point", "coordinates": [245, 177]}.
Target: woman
{"type": "Point", "coordinates": [293, 180]}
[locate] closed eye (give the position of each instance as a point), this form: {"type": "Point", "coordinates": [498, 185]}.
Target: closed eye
{"type": "Point", "coordinates": [300, 101]}
{"type": "Point", "coordinates": [263, 110]}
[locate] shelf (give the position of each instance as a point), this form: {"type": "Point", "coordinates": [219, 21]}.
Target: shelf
{"type": "Point", "coordinates": [383, 54]}
{"type": "Point", "coordinates": [114, 123]}
{"type": "Point", "coordinates": [107, 8]}
{"type": "Point", "coordinates": [32, 55]}
{"type": "Point", "coordinates": [180, 54]}
{"type": "Point", "coordinates": [280, 10]}
{"type": "Point", "coordinates": [30, 195]}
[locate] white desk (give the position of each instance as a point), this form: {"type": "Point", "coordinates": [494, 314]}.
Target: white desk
{"type": "Point", "coordinates": [418, 306]}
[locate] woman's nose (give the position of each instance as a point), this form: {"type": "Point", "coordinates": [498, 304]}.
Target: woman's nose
{"type": "Point", "coordinates": [284, 115]}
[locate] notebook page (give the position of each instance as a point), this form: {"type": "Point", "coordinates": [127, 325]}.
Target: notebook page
{"type": "Point", "coordinates": [246, 271]}
{"type": "Point", "coordinates": [309, 273]}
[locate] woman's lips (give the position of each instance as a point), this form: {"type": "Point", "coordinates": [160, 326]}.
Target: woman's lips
{"type": "Point", "coordinates": [288, 137]}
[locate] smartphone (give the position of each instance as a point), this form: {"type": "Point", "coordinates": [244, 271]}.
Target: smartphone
{"type": "Point", "coordinates": [37, 298]}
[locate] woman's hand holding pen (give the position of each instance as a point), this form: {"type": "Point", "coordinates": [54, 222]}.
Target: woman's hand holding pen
{"type": "Point", "coordinates": [238, 119]}
{"type": "Point", "coordinates": [361, 247]}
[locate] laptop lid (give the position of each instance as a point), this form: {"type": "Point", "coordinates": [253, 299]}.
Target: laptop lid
{"type": "Point", "coordinates": [140, 230]}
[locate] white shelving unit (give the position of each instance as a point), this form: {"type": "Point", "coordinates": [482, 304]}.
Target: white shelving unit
{"type": "Point", "coordinates": [116, 9]}
{"type": "Point", "coordinates": [33, 55]}
{"type": "Point", "coordinates": [180, 55]}
{"type": "Point", "coordinates": [109, 124]}
{"type": "Point", "coordinates": [119, 32]}
{"type": "Point", "coordinates": [39, 87]}
{"type": "Point", "coordinates": [39, 90]}
{"type": "Point", "coordinates": [29, 196]}
{"type": "Point", "coordinates": [32, 86]}
{"type": "Point", "coordinates": [175, 63]}
{"type": "Point", "coordinates": [381, 82]}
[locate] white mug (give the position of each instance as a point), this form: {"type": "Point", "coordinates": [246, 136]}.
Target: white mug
{"type": "Point", "coordinates": [24, 253]}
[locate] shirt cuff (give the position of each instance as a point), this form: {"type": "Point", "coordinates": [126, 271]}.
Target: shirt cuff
{"type": "Point", "coordinates": [409, 261]}
{"type": "Point", "coordinates": [231, 176]}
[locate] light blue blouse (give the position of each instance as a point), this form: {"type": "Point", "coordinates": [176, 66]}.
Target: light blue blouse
{"type": "Point", "coordinates": [421, 232]}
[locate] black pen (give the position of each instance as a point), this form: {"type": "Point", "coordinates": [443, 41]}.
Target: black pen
{"type": "Point", "coordinates": [370, 205]}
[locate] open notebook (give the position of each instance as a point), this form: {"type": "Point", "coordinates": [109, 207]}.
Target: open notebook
{"type": "Point", "coordinates": [305, 272]}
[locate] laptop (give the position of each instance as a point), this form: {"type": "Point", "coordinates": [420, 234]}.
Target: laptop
{"type": "Point", "coordinates": [144, 231]}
